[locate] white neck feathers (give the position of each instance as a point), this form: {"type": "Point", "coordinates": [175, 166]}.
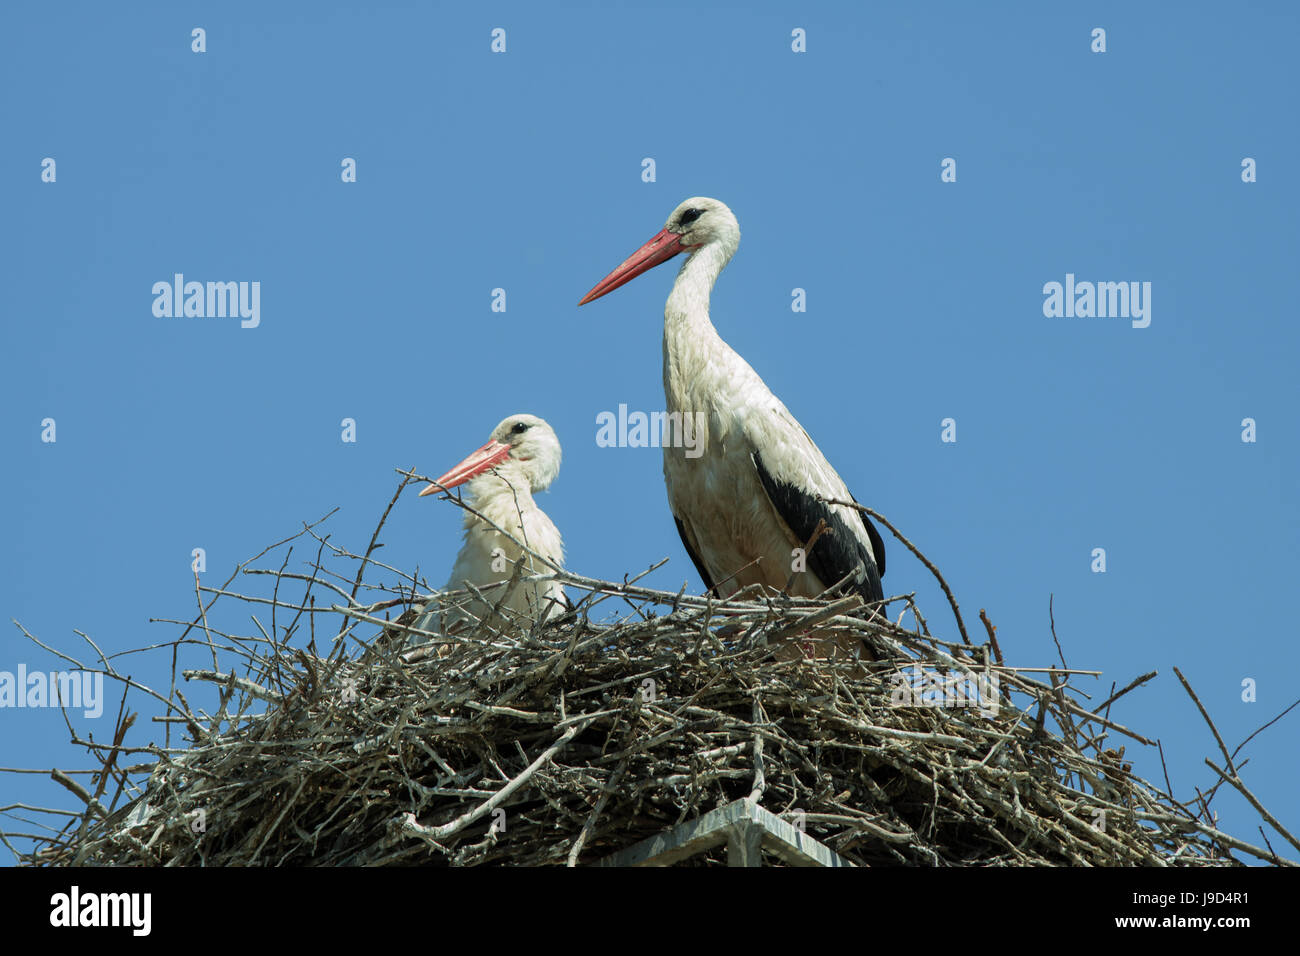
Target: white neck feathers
{"type": "Point", "coordinates": [689, 301]}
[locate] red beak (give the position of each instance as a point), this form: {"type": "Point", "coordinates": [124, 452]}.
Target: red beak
{"type": "Point", "coordinates": [655, 252]}
{"type": "Point", "coordinates": [493, 453]}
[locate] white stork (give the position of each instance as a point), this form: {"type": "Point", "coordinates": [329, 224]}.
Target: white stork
{"type": "Point", "coordinates": [756, 491]}
{"type": "Point", "coordinates": [521, 457]}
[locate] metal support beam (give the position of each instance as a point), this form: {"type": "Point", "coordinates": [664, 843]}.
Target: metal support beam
{"type": "Point", "coordinates": [745, 844]}
{"type": "Point", "coordinates": [744, 826]}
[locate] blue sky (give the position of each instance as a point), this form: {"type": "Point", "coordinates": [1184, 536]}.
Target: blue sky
{"type": "Point", "coordinates": [522, 170]}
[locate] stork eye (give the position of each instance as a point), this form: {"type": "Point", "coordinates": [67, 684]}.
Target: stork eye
{"type": "Point", "coordinates": [690, 215]}
{"type": "Point", "coordinates": [520, 428]}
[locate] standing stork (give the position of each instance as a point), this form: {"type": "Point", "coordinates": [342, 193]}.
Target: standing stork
{"type": "Point", "coordinates": [757, 487]}
{"type": "Point", "coordinates": [521, 457]}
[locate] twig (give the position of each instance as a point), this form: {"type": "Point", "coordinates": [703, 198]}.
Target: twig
{"type": "Point", "coordinates": [952, 601]}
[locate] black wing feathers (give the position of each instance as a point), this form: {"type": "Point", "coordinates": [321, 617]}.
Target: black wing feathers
{"type": "Point", "coordinates": [699, 565]}
{"type": "Point", "coordinates": [835, 555]}
{"type": "Point", "coordinates": [877, 543]}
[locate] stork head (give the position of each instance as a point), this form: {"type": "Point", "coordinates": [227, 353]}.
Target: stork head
{"type": "Point", "coordinates": [522, 444]}
{"type": "Point", "coordinates": [696, 224]}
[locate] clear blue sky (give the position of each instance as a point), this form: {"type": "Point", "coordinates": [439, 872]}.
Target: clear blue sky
{"type": "Point", "coordinates": [522, 171]}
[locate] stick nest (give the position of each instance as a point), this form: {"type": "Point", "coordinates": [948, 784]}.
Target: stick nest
{"type": "Point", "coordinates": [572, 740]}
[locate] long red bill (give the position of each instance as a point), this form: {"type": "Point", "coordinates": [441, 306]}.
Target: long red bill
{"type": "Point", "coordinates": [655, 252]}
{"type": "Point", "coordinates": [493, 453]}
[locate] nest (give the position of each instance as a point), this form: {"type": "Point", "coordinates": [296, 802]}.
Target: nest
{"type": "Point", "coordinates": [569, 742]}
